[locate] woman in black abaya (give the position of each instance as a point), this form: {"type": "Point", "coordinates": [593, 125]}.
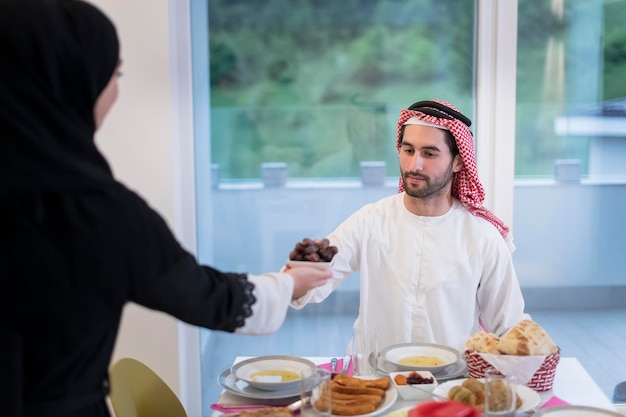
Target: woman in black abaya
{"type": "Point", "coordinates": [75, 244]}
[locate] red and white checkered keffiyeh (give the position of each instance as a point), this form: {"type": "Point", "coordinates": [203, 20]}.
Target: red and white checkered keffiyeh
{"type": "Point", "coordinates": [466, 186]}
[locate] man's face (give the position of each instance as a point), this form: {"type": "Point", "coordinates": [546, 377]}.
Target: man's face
{"type": "Point", "coordinates": [426, 164]}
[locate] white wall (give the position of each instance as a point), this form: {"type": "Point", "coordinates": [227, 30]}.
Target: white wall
{"type": "Point", "coordinates": [137, 140]}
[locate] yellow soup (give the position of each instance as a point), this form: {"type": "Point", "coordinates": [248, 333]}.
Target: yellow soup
{"type": "Point", "coordinates": [285, 376]}
{"type": "Point", "coordinates": [421, 361]}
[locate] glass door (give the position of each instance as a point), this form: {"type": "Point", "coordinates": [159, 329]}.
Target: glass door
{"type": "Point", "coordinates": [293, 108]}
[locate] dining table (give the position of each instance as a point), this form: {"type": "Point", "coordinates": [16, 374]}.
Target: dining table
{"type": "Point", "coordinates": [572, 385]}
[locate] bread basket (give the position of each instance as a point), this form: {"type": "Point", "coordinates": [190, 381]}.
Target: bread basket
{"type": "Point", "coordinates": [542, 379]}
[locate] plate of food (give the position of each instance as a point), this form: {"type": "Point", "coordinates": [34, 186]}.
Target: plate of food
{"type": "Point", "coordinates": [421, 356]}
{"type": "Point", "coordinates": [414, 385]}
{"type": "Point", "coordinates": [456, 370]}
{"type": "Point", "coordinates": [527, 398]}
{"type": "Point", "coordinates": [274, 373]}
{"type": "Point", "coordinates": [345, 389]}
{"type": "Point", "coordinates": [230, 383]}
{"type": "Point", "coordinates": [239, 387]}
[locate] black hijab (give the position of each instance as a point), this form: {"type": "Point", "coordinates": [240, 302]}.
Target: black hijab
{"type": "Point", "coordinates": [56, 57]}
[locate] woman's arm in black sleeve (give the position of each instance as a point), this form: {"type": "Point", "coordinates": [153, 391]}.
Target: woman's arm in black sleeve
{"type": "Point", "coordinates": [169, 279]}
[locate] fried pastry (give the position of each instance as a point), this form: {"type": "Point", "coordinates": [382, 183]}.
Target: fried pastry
{"type": "Point", "coordinates": [476, 387]}
{"type": "Point", "coordinates": [352, 396]}
{"type": "Point", "coordinates": [349, 381]}
{"type": "Point", "coordinates": [462, 395]}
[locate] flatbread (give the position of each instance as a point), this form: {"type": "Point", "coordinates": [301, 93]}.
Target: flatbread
{"type": "Point", "coordinates": [483, 342]}
{"type": "Point", "coordinates": [527, 338]}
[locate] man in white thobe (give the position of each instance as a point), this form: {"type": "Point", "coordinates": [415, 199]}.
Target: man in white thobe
{"type": "Point", "coordinates": [435, 265]}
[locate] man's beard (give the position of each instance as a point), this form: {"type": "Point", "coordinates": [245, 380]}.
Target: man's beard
{"type": "Point", "coordinates": [433, 187]}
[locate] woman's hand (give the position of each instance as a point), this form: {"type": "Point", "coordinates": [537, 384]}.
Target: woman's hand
{"type": "Point", "coordinates": [306, 278]}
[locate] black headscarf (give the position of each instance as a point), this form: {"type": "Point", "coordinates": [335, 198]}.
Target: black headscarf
{"type": "Point", "coordinates": [56, 57]}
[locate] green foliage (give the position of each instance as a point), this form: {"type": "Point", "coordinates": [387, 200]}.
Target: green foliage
{"type": "Point", "coordinates": [559, 70]}
{"type": "Point", "coordinates": [319, 84]}
{"type": "Point", "coordinates": [614, 50]}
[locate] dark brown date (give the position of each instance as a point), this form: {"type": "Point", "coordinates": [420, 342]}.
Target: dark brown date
{"type": "Point", "coordinates": [313, 250]}
{"type": "Point", "coordinates": [415, 378]}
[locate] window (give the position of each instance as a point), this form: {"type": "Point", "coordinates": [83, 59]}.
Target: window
{"type": "Point", "coordinates": [571, 147]}
{"type": "Point", "coordinates": [570, 188]}
{"type": "Point", "coordinates": [287, 107]}
{"type": "Point", "coordinates": [301, 104]}
{"type": "Point", "coordinates": [320, 88]}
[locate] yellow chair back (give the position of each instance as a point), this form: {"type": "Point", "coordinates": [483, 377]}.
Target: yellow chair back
{"type": "Point", "coordinates": [137, 391]}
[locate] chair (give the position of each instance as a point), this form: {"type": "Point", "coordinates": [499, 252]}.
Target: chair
{"type": "Point", "coordinates": [137, 391]}
{"type": "Point", "coordinates": [619, 394]}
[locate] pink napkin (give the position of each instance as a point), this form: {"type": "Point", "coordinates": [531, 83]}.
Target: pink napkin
{"type": "Point", "coordinates": [230, 409]}
{"type": "Point", "coordinates": [554, 401]}
{"type": "Point", "coordinates": [339, 366]}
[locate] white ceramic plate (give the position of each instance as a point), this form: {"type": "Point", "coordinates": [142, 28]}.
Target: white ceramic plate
{"type": "Point", "coordinates": [318, 265]}
{"type": "Point", "coordinates": [238, 387]}
{"type": "Point", "coordinates": [530, 399]}
{"type": "Point", "coordinates": [395, 353]}
{"type": "Point", "coordinates": [575, 411]}
{"type": "Point", "coordinates": [391, 395]}
{"type": "Point", "coordinates": [248, 371]}
{"type": "Point", "coordinates": [456, 370]}
{"type": "Point", "coordinates": [230, 383]}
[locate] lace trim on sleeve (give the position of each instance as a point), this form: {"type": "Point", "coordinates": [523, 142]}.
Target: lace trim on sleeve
{"type": "Point", "coordinates": [248, 300]}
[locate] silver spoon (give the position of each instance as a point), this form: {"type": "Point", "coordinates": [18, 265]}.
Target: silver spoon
{"type": "Point", "coordinates": [333, 367]}
{"type": "Point", "coordinates": [346, 362]}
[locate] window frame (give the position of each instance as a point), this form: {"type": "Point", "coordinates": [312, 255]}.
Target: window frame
{"type": "Point", "coordinates": [496, 69]}
{"type": "Point", "coordinates": [185, 127]}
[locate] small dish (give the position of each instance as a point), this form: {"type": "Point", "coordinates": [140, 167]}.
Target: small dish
{"type": "Point", "coordinates": [273, 373]}
{"type": "Point", "coordinates": [318, 265]}
{"type": "Point", "coordinates": [406, 356]}
{"type": "Point", "coordinates": [410, 392]}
